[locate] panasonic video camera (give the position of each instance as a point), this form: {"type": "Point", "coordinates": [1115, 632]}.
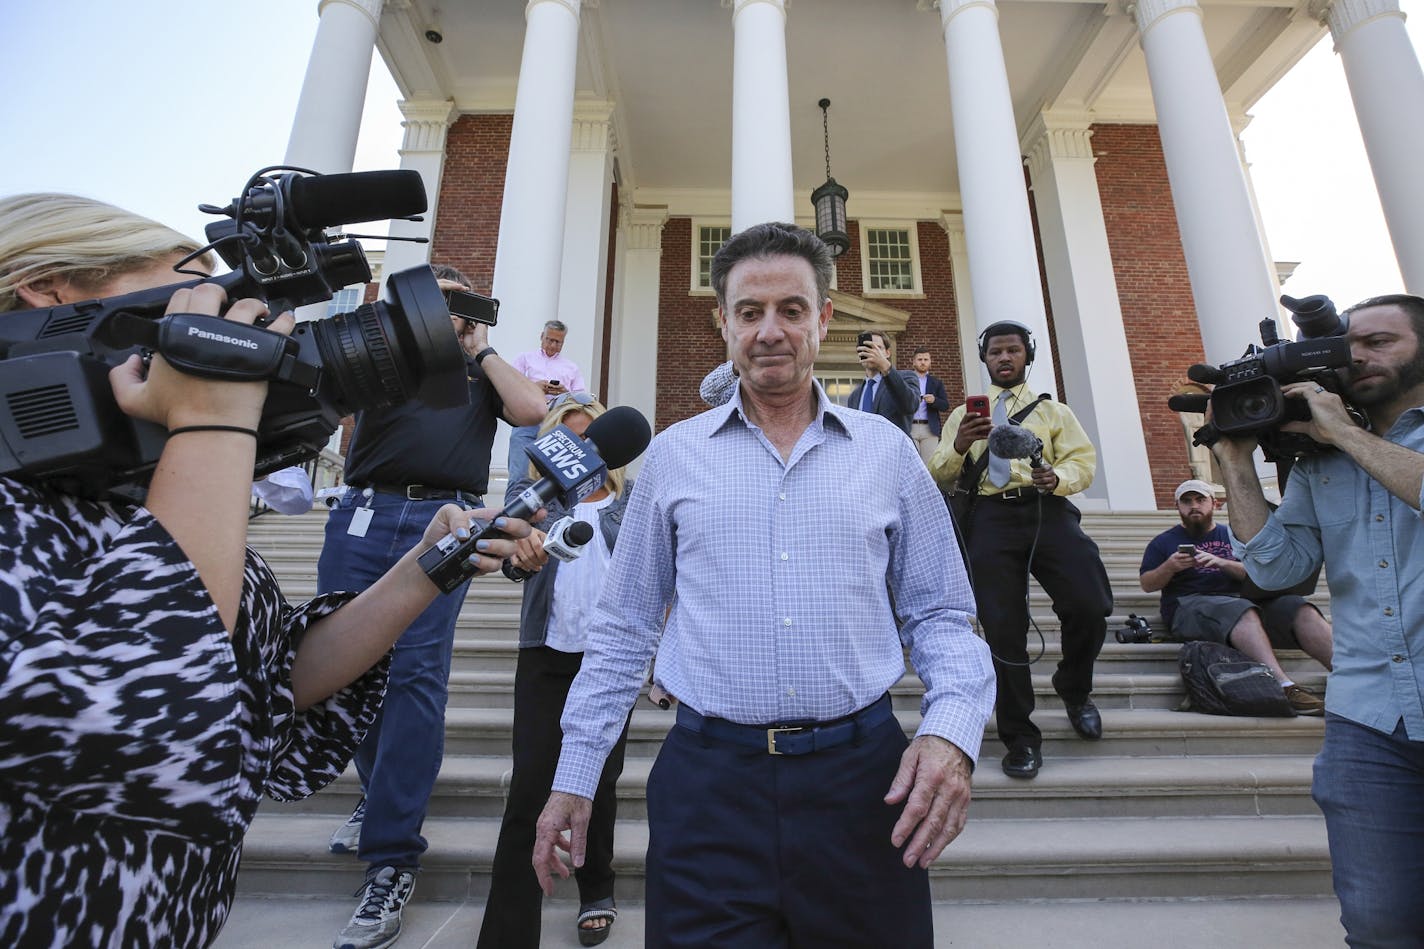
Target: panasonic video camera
{"type": "Point", "coordinates": [1246, 397]}
{"type": "Point", "coordinates": [60, 424]}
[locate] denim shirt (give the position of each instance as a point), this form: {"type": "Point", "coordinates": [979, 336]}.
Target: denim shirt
{"type": "Point", "coordinates": [1375, 572]}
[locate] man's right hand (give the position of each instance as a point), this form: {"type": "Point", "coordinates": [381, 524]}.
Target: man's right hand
{"type": "Point", "coordinates": [563, 812]}
{"type": "Point", "coordinates": [971, 429]}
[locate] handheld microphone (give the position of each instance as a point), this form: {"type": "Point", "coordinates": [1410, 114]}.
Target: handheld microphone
{"type": "Point", "coordinates": [572, 469]}
{"type": "Point", "coordinates": [1014, 441]}
{"type": "Point", "coordinates": [565, 542]}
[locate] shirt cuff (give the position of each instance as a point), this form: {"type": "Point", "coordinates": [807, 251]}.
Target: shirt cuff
{"type": "Point", "coordinates": [943, 723]}
{"type": "Point", "coordinates": [579, 769]}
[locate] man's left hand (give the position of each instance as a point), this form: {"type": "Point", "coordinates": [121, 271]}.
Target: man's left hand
{"type": "Point", "coordinates": [1329, 421]}
{"type": "Point", "coordinates": [934, 782]}
{"type": "Point", "coordinates": [1045, 479]}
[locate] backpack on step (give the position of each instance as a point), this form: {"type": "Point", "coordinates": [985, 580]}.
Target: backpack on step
{"type": "Point", "coordinates": [1222, 681]}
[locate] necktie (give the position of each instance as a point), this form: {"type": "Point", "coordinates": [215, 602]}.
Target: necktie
{"type": "Point", "coordinates": [999, 467]}
{"type": "Point", "coordinates": [867, 396]}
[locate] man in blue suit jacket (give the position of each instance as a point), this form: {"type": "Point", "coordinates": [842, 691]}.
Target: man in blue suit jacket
{"type": "Point", "coordinates": [925, 423]}
{"type": "Point", "coordinates": [886, 391]}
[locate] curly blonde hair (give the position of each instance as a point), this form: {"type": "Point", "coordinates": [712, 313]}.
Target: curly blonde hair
{"type": "Point", "coordinates": [52, 236]}
{"type": "Point", "coordinates": [565, 406]}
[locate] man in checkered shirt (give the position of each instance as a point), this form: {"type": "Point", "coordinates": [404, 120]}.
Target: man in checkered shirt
{"type": "Point", "coordinates": [802, 548]}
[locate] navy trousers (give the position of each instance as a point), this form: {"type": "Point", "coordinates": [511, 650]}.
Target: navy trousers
{"type": "Point", "coordinates": [752, 849]}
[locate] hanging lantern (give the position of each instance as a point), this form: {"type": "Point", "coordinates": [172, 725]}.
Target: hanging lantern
{"type": "Point", "coordinates": [830, 199]}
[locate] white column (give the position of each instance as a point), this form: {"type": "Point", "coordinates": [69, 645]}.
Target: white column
{"type": "Point", "coordinates": [1231, 284]}
{"type": "Point", "coordinates": [1387, 87]}
{"type": "Point", "coordinates": [531, 220]}
{"type": "Point", "coordinates": [1092, 343]}
{"type": "Point", "coordinates": [976, 376]}
{"type": "Point", "coordinates": [585, 264]}
{"type": "Point", "coordinates": [334, 90]}
{"type": "Point", "coordinates": [633, 355]}
{"type": "Point", "coordinates": [761, 115]}
{"type": "Point", "coordinates": [1003, 262]}
{"type": "Point", "coordinates": [423, 150]}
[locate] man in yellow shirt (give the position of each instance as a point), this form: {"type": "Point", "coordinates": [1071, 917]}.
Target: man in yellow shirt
{"type": "Point", "coordinates": [1016, 519]}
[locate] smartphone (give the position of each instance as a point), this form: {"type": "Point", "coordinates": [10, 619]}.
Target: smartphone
{"type": "Point", "coordinates": [553, 382]}
{"type": "Point", "coordinates": [472, 308]}
{"type": "Point", "coordinates": [865, 338]}
{"type": "Point", "coordinates": [977, 405]}
{"type": "Point", "coordinates": [1186, 549]}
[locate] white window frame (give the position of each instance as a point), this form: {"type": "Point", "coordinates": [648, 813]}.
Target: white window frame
{"type": "Point", "coordinates": [694, 287]}
{"type": "Point", "coordinates": [911, 228]}
{"type": "Point", "coordinates": [358, 288]}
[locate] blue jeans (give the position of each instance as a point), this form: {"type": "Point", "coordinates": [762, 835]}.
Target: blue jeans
{"type": "Point", "coordinates": [1370, 787]}
{"type": "Point", "coordinates": [520, 438]}
{"type": "Point", "coordinates": [400, 756]}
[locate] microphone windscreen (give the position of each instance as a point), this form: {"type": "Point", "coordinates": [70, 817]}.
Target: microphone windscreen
{"type": "Point", "coordinates": [621, 434]}
{"type": "Point", "coordinates": [1013, 441]}
{"type": "Point", "coordinates": [1188, 403]}
{"type": "Point", "coordinates": [579, 533]}
{"type": "Point", "coordinates": [323, 201]}
{"type": "Point", "coordinates": [1205, 374]}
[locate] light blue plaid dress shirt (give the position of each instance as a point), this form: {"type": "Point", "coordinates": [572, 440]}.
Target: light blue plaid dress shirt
{"type": "Point", "coordinates": [781, 578]}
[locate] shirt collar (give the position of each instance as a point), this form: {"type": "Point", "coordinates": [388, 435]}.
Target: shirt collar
{"type": "Point", "coordinates": [1021, 394]}
{"type": "Point", "coordinates": [723, 415]}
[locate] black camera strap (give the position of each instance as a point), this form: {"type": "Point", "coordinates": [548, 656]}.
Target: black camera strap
{"type": "Point", "coordinates": [215, 348]}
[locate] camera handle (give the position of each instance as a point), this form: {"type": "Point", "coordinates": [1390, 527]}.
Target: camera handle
{"type": "Point", "coordinates": [215, 348]}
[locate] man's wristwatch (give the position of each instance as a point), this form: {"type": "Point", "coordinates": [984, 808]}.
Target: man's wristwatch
{"type": "Point", "coordinates": [487, 351]}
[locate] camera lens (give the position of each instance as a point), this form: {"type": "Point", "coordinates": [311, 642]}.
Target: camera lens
{"type": "Point", "coordinates": [389, 352]}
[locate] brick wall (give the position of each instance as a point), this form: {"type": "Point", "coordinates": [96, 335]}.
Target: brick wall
{"type": "Point", "coordinates": [1163, 336]}
{"type": "Point", "coordinates": [471, 194]}
{"type": "Point", "coordinates": [689, 345]}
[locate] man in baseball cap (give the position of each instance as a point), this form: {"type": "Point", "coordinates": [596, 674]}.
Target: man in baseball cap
{"type": "Point", "coordinates": [1201, 581]}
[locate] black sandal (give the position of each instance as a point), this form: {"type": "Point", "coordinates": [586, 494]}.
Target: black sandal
{"type": "Point", "coordinates": [600, 909]}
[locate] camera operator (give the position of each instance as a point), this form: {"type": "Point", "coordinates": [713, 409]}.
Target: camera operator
{"type": "Point", "coordinates": [154, 682]}
{"type": "Point", "coordinates": [1357, 510]}
{"type": "Point", "coordinates": [403, 463]}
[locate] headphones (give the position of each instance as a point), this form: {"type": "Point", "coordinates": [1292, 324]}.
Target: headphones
{"type": "Point", "coordinates": [1007, 328]}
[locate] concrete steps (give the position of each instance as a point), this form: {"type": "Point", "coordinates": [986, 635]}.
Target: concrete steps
{"type": "Point", "coordinates": [1167, 806]}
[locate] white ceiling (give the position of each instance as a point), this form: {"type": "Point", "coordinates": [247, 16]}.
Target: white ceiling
{"type": "Point", "coordinates": [667, 67]}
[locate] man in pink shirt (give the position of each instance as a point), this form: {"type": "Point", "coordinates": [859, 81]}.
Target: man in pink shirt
{"type": "Point", "coordinates": [555, 373]}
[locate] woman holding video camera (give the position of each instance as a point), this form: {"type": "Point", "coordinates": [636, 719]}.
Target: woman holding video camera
{"type": "Point", "coordinates": [153, 681]}
{"type": "Point", "coordinates": [558, 603]}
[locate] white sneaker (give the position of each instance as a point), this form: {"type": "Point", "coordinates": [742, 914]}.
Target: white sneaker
{"type": "Point", "coordinates": [348, 836]}
{"type": "Point", "coordinates": [377, 920]}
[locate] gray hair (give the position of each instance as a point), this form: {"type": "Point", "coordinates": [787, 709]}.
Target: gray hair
{"type": "Point", "coordinates": [772, 240]}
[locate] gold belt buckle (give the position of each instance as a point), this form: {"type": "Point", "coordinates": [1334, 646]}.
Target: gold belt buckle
{"type": "Point", "coordinates": [771, 734]}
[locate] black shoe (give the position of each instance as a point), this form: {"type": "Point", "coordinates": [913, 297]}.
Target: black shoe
{"type": "Point", "coordinates": [1086, 720]}
{"type": "Point", "coordinates": [1022, 763]}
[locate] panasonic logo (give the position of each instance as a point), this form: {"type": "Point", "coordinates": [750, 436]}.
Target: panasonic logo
{"type": "Point", "coordinates": [219, 338]}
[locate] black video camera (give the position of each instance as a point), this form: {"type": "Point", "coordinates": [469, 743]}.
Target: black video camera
{"type": "Point", "coordinates": [1134, 630]}
{"type": "Point", "coordinates": [59, 422]}
{"type": "Point", "coordinates": [1246, 397]}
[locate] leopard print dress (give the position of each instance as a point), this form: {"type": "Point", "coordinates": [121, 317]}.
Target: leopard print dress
{"type": "Point", "coordinates": [136, 738]}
